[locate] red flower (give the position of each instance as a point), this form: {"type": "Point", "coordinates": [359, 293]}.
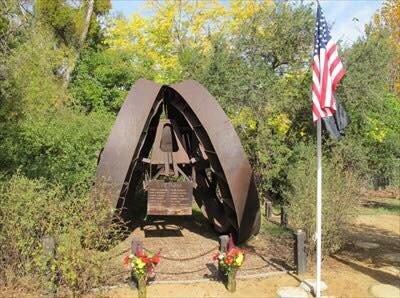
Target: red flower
{"type": "Point", "coordinates": [145, 259]}
{"type": "Point", "coordinates": [228, 260]}
{"type": "Point", "coordinates": [139, 251]}
{"type": "Point", "coordinates": [156, 258]}
{"type": "Point", "coordinates": [234, 251]}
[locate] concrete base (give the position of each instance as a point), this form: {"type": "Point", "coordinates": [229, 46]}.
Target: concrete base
{"type": "Point", "coordinates": [309, 285]}
{"type": "Point", "coordinates": [292, 292]}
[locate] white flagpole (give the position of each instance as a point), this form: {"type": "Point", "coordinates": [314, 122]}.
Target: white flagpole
{"type": "Point", "coordinates": [318, 233]}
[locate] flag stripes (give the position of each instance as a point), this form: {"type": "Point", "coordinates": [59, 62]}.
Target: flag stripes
{"type": "Point", "coordinates": [327, 69]}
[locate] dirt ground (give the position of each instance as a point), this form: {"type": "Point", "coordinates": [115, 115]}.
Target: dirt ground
{"type": "Point", "coordinates": [342, 280]}
{"type": "Point", "coordinates": [186, 244]}
{"type": "Point", "coordinates": [350, 273]}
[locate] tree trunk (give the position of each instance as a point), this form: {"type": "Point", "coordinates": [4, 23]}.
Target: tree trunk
{"type": "Point", "coordinates": [82, 39]}
{"type": "Point", "coordinates": [86, 25]}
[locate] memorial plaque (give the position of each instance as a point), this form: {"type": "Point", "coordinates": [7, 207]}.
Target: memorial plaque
{"type": "Point", "coordinates": [169, 198]}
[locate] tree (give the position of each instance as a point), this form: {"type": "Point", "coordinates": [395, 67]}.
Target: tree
{"type": "Point", "coordinates": [388, 19]}
{"type": "Point", "coordinates": [368, 93]}
{"type": "Point", "coordinates": [74, 24]}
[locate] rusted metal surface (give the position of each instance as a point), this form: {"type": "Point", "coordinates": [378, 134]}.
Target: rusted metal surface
{"type": "Point", "coordinates": [230, 153]}
{"type": "Point", "coordinates": [224, 185]}
{"type": "Point", "coordinates": [169, 198]}
{"type": "Point", "coordinates": [125, 137]}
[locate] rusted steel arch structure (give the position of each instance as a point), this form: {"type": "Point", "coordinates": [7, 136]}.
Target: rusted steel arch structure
{"type": "Point", "coordinates": [225, 189]}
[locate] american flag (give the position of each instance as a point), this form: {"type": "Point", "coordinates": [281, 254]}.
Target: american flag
{"type": "Point", "coordinates": [327, 70]}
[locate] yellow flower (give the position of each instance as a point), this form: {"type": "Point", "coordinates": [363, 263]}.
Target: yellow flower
{"type": "Point", "coordinates": [139, 263]}
{"type": "Point", "coordinates": [239, 259]}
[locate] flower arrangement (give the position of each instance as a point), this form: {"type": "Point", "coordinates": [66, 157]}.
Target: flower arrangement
{"type": "Point", "coordinates": [229, 262]}
{"type": "Point", "coordinates": [142, 266]}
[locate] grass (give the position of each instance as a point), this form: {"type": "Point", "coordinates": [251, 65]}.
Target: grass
{"type": "Point", "coordinates": [377, 206]}
{"type": "Point", "coordinates": [274, 229]}
{"type": "Point", "coordinates": [267, 227]}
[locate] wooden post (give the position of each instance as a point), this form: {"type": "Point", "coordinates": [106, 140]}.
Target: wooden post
{"type": "Point", "coordinates": [300, 256]}
{"type": "Point", "coordinates": [135, 245]}
{"type": "Point", "coordinates": [268, 209]}
{"type": "Point", "coordinates": [223, 243]}
{"type": "Point", "coordinates": [223, 247]}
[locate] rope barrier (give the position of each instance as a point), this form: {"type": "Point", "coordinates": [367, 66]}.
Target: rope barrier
{"type": "Point", "coordinates": [184, 259]}
{"type": "Point", "coordinates": [202, 268]}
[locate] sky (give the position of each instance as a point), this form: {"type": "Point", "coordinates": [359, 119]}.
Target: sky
{"type": "Point", "coordinates": [348, 17]}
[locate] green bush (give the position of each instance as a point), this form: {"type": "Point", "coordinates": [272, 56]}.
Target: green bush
{"type": "Point", "coordinates": [81, 227]}
{"type": "Point", "coordinates": [32, 70]}
{"type": "Point", "coordinates": [339, 199]}
{"type": "Point", "coordinates": [102, 80]}
{"type": "Point", "coordinates": [61, 147]}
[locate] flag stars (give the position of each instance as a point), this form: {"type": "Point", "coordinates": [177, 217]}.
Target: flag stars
{"type": "Point", "coordinates": [321, 33]}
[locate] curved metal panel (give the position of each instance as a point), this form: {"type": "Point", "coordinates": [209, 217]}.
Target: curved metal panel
{"type": "Point", "coordinates": [125, 136]}
{"type": "Point", "coordinates": [133, 134]}
{"type": "Point", "coordinates": [230, 152]}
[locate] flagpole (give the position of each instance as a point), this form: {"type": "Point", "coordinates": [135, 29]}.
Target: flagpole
{"type": "Point", "coordinates": [318, 234]}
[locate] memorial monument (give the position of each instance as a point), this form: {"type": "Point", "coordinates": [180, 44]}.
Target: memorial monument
{"type": "Point", "coordinates": [177, 144]}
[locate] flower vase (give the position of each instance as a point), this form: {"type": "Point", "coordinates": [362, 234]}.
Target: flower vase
{"type": "Point", "coordinates": [231, 281]}
{"type": "Point", "coordinates": [141, 283]}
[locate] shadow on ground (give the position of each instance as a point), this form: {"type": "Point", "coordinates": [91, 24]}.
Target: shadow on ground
{"type": "Point", "coordinates": [389, 244]}
{"type": "Point", "coordinates": [378, 275]}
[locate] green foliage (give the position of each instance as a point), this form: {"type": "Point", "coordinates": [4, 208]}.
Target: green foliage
{"type": "Point", "coordinates": [101, 80]}
{"type": "Point", "coordinates": [275, 230]}
{"type": "Point", "coordinates": [66, 19]}
{"type": "Point", "coordinates": [60, 16]}
{"type": "Point", "coordinates": [263, 88]}
{"type": "Point", "coordinates": [32, 69]}
{"type": "Point", "coordinates": [32, 209]}
{"type": "Point", "coordinates": [340, 195]}
{"type": "Point", "coordinates": [373, 109]}
{"type": "Point", "coordinates": [277, 36]}
{"type": "Point", "coordinates": [61, 146]}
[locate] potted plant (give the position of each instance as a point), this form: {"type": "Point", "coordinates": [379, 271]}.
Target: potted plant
{"type": "Point", "coordinates": [142, 268]}
{"type": "Point", "coordinates": [229, 262]}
